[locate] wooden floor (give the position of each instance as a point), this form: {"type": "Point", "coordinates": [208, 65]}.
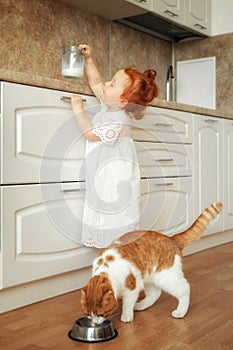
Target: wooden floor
{"type": "Point", "coordinates": [208, 324]}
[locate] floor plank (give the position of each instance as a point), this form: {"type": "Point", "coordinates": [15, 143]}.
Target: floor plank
{"type": "Point", "coordinates": [208, 324]}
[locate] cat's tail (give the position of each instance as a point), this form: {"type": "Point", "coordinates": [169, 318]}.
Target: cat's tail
{"type": "Point", "coordinates": [194, 232]}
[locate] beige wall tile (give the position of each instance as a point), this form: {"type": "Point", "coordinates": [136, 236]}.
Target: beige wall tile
{"type": "Point", "coordinates": [34, 33]}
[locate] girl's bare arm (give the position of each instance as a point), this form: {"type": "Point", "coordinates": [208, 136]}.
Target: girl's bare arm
{"type": "Point", "coordinates": [94, 78]}
{"type": "Point", "coordinates": [84, 124]}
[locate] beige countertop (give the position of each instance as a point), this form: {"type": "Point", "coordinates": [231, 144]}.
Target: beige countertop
{"type": "Point", "coordinates": [191, 109]}
{"type": "Point", "coordinates": [82, 88]}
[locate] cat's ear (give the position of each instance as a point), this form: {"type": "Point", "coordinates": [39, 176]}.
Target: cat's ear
{"type": "Point", "coordinates": [83, 292]}
{"type": "Point", "coordinates": [83, 301]}
{"type": "Point", "coordinates": [109, 299]}
{"type": "Point", "coordinates": [108, 295]}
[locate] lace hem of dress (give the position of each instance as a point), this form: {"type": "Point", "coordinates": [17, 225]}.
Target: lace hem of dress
{"type": "Point", "coordinates": [96, 238]}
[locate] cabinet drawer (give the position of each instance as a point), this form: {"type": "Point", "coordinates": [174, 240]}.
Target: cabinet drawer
{"type": "Point", "coordinates": [162, 125]}
{"type": "Point", "coordinates": [166, 204]}
{"type": "Point", "coordinates": [40, 139]}
{"type": "Point", "coordinates": [41, 228]}
{"type": "Point", "coordinates": [159, 159]}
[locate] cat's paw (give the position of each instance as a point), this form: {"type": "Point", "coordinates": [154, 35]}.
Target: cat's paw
{"type": "Point", "coordinates": [177, 314]}
{"type": "Point", "coordinates": [127, 317]}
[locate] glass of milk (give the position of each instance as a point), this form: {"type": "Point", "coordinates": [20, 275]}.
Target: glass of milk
{"type": "Point", "coordinates": [72, 62]}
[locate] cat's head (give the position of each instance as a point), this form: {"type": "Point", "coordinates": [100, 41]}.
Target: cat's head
{"type": "Point", "coordinates": [98, 297]}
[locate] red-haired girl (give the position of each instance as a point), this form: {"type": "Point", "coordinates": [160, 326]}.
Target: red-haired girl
{"type": "Point", "coordinates": [112, 173]}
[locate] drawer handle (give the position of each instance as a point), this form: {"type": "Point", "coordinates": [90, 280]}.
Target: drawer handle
{"type": "Point", "coordinates": [68, 99]}
{"type": "Point", "coordinates": [211, 121]}
{"type": "Point", "coordinates": [165, 160]}
{"type": "Point", "coordinates": [165, 185]}
{"type": "Point", "coordinates": [170, 13]}
{"type": "Point", "coordinates": [163, 124]}
{"type": "Point", "coordinates": [72, 190]}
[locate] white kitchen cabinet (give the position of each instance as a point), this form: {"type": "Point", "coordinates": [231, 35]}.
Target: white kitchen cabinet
{"type": "Point", "coordinates": [170, 9]}
{"type": "Point", "coordinates": [42, 153]}
{"type": "Point", "coordinates": [164, 159]}
{"type": "Point", "coordinates": [166, 204]}
{"type": "Point", "coordinates": [208, 166]}
{"type": "Point", "coordinates": [40, 139]}
{"type": "Point", "coordinates": [163, 140]}
{"type": "Point", "coordinates": [194, 14]}
{"type": "Point", "coordinates": [228, 173]}
{"type": "Point", "coordinates": [41, 226]}
{"type": "Point", "coordinates": [164, 125]}
{"type": "Point", "coordinates": [146, 4]}
{"type": "Point", "coordinates": [198, 15]}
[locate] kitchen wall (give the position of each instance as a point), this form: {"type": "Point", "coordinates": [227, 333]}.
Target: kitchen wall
{"type": "Point", "coordinates": [34, 32]}
{"type": "Point", "coordinates": [220, 46]}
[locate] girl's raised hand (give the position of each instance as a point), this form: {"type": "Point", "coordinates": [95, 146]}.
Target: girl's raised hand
{"type": "Point", "coordinates": [86, 50]}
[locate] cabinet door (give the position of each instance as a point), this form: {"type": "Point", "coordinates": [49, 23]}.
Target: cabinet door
{"type": "Point", "coordinates": [208, 166]}
{"type": "Point", "coordinates": [166, 204]}
{"type": "Point", "coordinates": [41, 232]}
{"type": "Point", "coordinates": [198, 15]}
{"type": "Point", "coordinates": [228, 174]}
{"type": "Point", "coordinates": [163, 125]}
{"type": "Point", "coordinates": [40, 139]}
{"type": "Point", "coordinates": [170, 9]}
{"type": "Point", "coordinates": [164, 160]}
{"type": "Point", "coordinates": [146, 4]}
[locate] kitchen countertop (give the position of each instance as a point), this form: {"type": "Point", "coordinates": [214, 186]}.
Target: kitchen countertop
{"type": "Point", "coordinates": [82, 88]}
{"type": "Point", "coordinates": [191, 109]}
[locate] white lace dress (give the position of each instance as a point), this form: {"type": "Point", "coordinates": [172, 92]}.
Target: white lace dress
{"type": "Point", "coordinates": [112, 175]}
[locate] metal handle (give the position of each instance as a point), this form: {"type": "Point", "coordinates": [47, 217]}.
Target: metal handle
{"type": "Point", "coordinates": [72, 190]}
{"type": "Point", "coordinates": [211, 121]}
{"type": "Point", "coordinates": [165, 160]}
{"type": "Point", "coordinates": [142, 0]}
{"type": "Point", "coordinates": [200, 26]}
{"type": "Point", "coordinates": [165, 184]}
{"type": "Point", "coordinates": [163, 124]}
{"type": "Point", "coordinates": [170, 13]}
{"type": "Point", "coordinates": [68, 99]}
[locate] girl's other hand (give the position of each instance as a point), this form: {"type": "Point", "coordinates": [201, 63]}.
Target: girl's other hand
{"type": "Point", "coordinates": [76, 103]}
{"type": "Point", "coordinates": [86, 50]}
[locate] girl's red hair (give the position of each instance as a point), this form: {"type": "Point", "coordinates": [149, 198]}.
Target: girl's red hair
{"type": "Point", "coordinates": [141, 90]}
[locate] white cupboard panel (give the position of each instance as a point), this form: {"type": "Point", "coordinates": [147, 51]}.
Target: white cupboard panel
{"type": "Point", "coordinates": [228, 174]}
{"type": "Point", "coordinates": [198, 15]}
{"type": "Point", "coordinates": [147, 4]}
{"type": "Point", "coordinates": [42, 231]}
{"type": "Point", "coordinates": [208, 151]}
{"type": "Point", "coordinates": [166, 204]}
{"type": "Point", "coordinates": [160, 159]}
{"type": "Point", "coordinates": [170, 9]}
{"type": "Point", "coordinates": [40, 139]}
{"type": "Point", "coordinates": [161, 125]}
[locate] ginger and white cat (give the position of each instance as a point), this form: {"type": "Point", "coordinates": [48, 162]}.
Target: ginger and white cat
{"type": "Point", "coordinates": [142, 261]}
